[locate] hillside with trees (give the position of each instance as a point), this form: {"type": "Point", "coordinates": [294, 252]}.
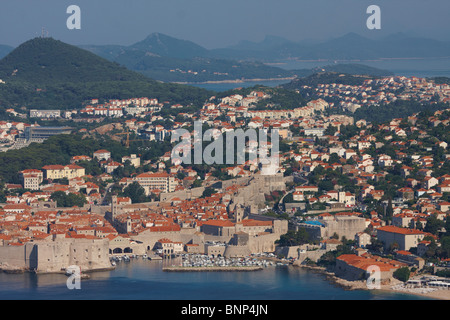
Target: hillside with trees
{"type": "Point", "coordinates": [45, 73]}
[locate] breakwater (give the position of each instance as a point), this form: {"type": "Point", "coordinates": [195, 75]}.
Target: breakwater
{"type": "Point", "coordinates": [202, 269]}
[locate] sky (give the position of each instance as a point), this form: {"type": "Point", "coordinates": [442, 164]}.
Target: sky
{"type": "Point", "coordinates": [218, 23]}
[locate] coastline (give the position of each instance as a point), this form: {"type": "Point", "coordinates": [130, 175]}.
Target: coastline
{"type": "Point", "coordinates": [395, 287]}
{"type": "Point", "coordinates": [22, 270]}
{"type": "Point", "coordinates": [237, 81]}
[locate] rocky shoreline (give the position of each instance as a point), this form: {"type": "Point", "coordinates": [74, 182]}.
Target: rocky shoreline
{"type": "Point", "coordinates": [6, 268]}
{"type": "Point", "coordinates": [333, 279]}
{"type": "Point", "coordinates": [395, 286]}
{"type": "Point", "coordinates": [330, 276]}
{"type": "Point", "coordinates": [236, 81]}
{"type": "Point", "coordinates": [18, 270]}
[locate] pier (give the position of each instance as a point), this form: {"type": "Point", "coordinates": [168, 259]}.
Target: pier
{"type": "Point", "coordinates": [197, 269]}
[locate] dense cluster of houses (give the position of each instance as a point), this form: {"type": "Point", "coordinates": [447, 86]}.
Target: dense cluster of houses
{"type": "Point", "coordinates": [382, 91]}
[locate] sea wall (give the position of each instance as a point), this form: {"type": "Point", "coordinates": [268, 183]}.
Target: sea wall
{"type": "Point", "coordinates": [17, 258]}
{"type": "Point", "coordinates": [300, 253]}
{"type": "Point", "coordinates": [89, 255]}
{"type": "Point", "coordinates": [56, 256]}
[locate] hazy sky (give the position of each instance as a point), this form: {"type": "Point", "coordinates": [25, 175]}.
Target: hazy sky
{"type": "Point", "coordinates": [218, 23]}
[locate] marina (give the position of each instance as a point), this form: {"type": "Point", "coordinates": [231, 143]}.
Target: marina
{"type": "Point", "coordinates": [202, 262]}
{"type": "Point", "coordinates": [199, 262]}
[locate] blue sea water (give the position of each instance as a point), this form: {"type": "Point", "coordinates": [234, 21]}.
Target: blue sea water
{"type": "Point", "coordinates": [220, 87]}
{"type": "Point", "coordinates": [144, 280]}
{"type": "Point", "coordinates": [427, 67]}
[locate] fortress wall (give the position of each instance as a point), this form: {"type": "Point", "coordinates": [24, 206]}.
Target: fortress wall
{"type": "Point", "coordinates": [263, 243]}
{"type": "Point", "coordinates": [87, 254]}
{"type": "Point", "coordinates": [149, 239]}
{"type": "Point", "coordinates": [183, 194]}
{"type": "Point", "coordinates": [312, 255]}
{"type": "Point", "coordinates": [238, 181]}
{"type": "Point", "coordinates": [225, 239]}
{"type": "Point", "coordinates": [236, 251]}
{"type": "Point", "coordinates": [301, 252]}
{"type": "Point", "coordinates": [344, 227]}
{"type": "Point", "coordinates": [13, 257]}
{"type": "Point", "coordinates": [55, 256]}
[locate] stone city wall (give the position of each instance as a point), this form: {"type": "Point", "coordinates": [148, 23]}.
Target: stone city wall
{"type": "Point", "coordinates": [56, 256]}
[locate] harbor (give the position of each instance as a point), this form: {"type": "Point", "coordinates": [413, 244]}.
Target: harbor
{"type": "Point", "coordinates": [219, 269]}
{"type": "Point", "coordinates": [145, 279]}
{"type": "Point", "coordinates": [202, 262]}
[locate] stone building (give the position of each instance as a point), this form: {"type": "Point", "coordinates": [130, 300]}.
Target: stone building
{"type": "Point", "coordinates": [166, 246]}
{"type": "Point", "coordinates": [31, 178]}
{"type": "Point", "coordinates": [354, 267]}
{"type": "Point", "coordinates": [403, 237]}
{"type": "Point", "coordinates": [328, 226]}
{"type": "Point", "coordinates": [60, 172]}
{"type": "Point", "coordinates": [156, 181]}
{"type": "Point", "coordinates": [363, 239]}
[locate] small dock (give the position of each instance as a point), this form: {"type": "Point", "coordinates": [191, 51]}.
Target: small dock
{"type": "Point", "coordinates": [154, 257]}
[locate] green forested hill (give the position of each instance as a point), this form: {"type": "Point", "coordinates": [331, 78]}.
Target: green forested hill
{"type": "Point", "coordinates": [324, 78]}
{"type": "Point", "coordinates": [49, 61]}
{"type": "Point", "coordinates": [46, 73]}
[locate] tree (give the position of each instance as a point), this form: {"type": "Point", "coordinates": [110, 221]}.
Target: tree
{"type": "Point", "coordinates": [197, 183]}
{"type": "Point", "coordinates": [294, 238]}
{"type": "Point", "coordinates": [135, 192]}
{"type": "Point", "coordinates": [419, 225]}
{"type": "Point", "coordinates": [445, 246]}
{"type": "Point", "coordinates": [402, 274]}
{"type": "Point", "coordinates": [393, 247]}
{"type": "Point", "coordinates": [68, 200]}
{"type": "Point", "coordinates": [433, 225]}
{"type": "Point", "coordinates": [208, 192]}
{"type": "Point", "coordinates": [447, 226]}
{"type": "Point", "coordinates": [376, 246]}
{"type": "Point", "coordinates": [326, 185]}
{"type": "Point", "coordinates": [329, 258]}
{"type": "Point", "coordinates": [389, 209]}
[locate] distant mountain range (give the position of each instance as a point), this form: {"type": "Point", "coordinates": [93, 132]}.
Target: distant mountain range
{"type": "Point", "coordinates": [172, 60]}
{"type": "Point", "coordinates": [168, 59]}
{"type": "Point", "coordinates": [348, 47]}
